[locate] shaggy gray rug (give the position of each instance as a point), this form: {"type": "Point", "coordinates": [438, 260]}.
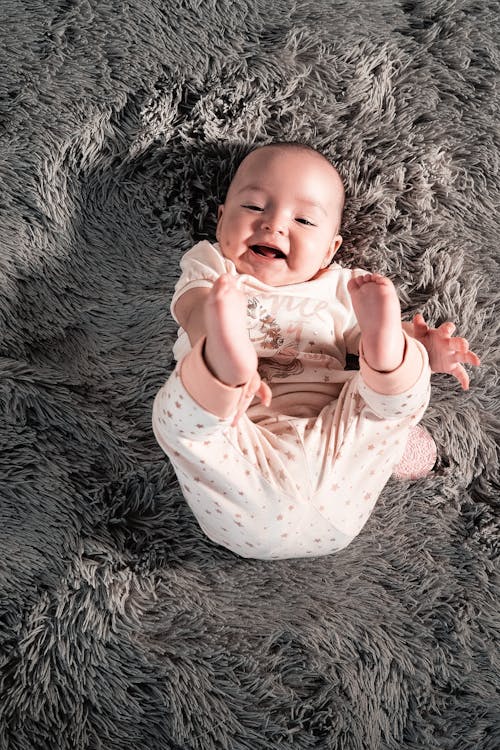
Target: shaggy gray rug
{"type": "Point", "coordinates": [121, 626]}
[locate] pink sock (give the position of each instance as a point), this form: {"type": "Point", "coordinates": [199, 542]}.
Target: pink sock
{"type": "Point", "coordinates": [419, 456]}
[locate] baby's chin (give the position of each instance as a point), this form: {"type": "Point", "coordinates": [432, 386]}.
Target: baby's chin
{"type": "Point", "coordinates": [273, 271]}
{"type": "Point", "coordinates": [273, 277]}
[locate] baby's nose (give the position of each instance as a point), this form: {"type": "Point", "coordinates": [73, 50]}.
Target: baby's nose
{"type": "Point", "coordinates": [274, 223]}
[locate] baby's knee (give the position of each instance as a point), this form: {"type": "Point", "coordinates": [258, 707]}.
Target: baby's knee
{"type": "Point", "coordinates": [180, 419]}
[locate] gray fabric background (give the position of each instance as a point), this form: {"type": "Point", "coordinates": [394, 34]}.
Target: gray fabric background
{"type": "Point", "coordinates": [120, 624]}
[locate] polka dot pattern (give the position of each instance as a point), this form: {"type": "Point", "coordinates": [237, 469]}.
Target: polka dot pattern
{"type": "Point", "coordinates": [287, 487]}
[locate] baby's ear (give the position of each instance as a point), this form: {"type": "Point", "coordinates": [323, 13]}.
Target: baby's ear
{"type": "Point", "coordinates": [335, 244]}
{"type": "Point", "coordinates": [220, 211]}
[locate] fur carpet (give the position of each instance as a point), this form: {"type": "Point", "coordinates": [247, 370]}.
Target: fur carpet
{"type": "Point", "coordinates": [121, 626]}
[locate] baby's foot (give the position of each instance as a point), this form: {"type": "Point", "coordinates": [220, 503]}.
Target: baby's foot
{"type": "Point", "coordinates": [229, 353]}
{"type": "Point", "coordinates": [377, 309]}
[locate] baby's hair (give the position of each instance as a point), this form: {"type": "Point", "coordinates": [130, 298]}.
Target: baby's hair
{"type": "Point", "coordinates": [296, 145]}
{"type": "Point", "coordinates": [289, 144]}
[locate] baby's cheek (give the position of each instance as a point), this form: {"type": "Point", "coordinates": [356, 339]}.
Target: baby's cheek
{"type": "Point", "coordinates": [224, 241]}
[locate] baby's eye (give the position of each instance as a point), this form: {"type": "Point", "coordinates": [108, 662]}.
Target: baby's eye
{"type": "Point", "coordinates": [306, 222]}
{"type": "Point", "coordinates": [252, 207]}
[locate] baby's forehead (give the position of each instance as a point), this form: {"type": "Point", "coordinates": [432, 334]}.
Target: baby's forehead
{"type": "Point", "coordinates": [254, 168]}
{"type": "Point", "coordinates": [259, 160]}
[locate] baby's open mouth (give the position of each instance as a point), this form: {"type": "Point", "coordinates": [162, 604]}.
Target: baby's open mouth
{"type": "Point", "coordinates": [267, 252]}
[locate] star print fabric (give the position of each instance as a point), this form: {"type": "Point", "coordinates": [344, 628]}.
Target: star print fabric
{"type": "Point", "coordinates": [276, 486]}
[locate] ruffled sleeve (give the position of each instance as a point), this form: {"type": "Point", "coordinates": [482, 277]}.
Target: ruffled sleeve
{"type": "Point", "coordinates": [200, 267]}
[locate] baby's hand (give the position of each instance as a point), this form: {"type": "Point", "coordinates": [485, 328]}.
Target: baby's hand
{"type": "Point", "coordinates": [256, 387]}
{"type": "Point", "coordinates": [446, 354]}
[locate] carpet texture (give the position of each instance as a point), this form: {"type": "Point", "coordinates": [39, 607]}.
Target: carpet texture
{"type": "Point", "coordinates": [121, 626]}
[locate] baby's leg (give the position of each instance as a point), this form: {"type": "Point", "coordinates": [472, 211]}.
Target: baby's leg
{"type": "Point", "coordinates": [361, 438]}
{"type": "Point", "coordinates": [229, 354]}
{"type": "Point", "coordinates": [378, 312]}
{"type": "Point", "coordinates": [247, 487]}
{"type": "Point", "coordinates": [390, 361]}
{"type": "Point", "coordinates": [220, 372]}
{"type": "Point", "coordinates": [367, 429]}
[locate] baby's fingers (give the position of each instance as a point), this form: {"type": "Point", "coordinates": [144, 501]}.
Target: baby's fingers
{"type": "Point", "coordinates": [473, 359]}
{"type": "Point", "coordinates": [264, 393]}
{"type": "Point", "coordinates": [256, 387]}
{"type": "Point", "coordinates": [468, 357]}
{"type": "Point", "coordinates": [459, 372]}
{"type": "Point", "coordinates": [461, 348]}
{"type": "Point", "coordinates": [243, 405]}
{"type": "Point", "coordinates": [461, 375]}
{"type": "Point", "coordinates": [419, 325]}
{"type": "Point", "coordinates": [459, 345]}
{"type": "Point", "coordinates": [446, 330]}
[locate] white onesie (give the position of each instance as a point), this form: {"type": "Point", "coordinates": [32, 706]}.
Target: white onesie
{"type": "Point", "coordinates": [300, 477]}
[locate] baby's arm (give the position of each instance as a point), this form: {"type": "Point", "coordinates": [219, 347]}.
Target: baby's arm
{"type": "Point", "coordinates": [446, 354]}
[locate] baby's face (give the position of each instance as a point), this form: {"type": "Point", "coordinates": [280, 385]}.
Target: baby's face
{"type": "Point", "coordinates": [281, 217]}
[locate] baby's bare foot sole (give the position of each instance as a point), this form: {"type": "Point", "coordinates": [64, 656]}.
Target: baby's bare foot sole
{"type": "Point", "coordinates": [378, 311]}
{"type": "Point", "coordinates": [229, 354]}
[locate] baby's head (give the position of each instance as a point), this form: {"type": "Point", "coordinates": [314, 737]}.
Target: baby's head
{"type": "Point", "coordinates": [281, 218]}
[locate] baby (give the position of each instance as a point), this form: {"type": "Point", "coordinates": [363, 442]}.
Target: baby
{"type": "Point", "coordinates": [280, 452]}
